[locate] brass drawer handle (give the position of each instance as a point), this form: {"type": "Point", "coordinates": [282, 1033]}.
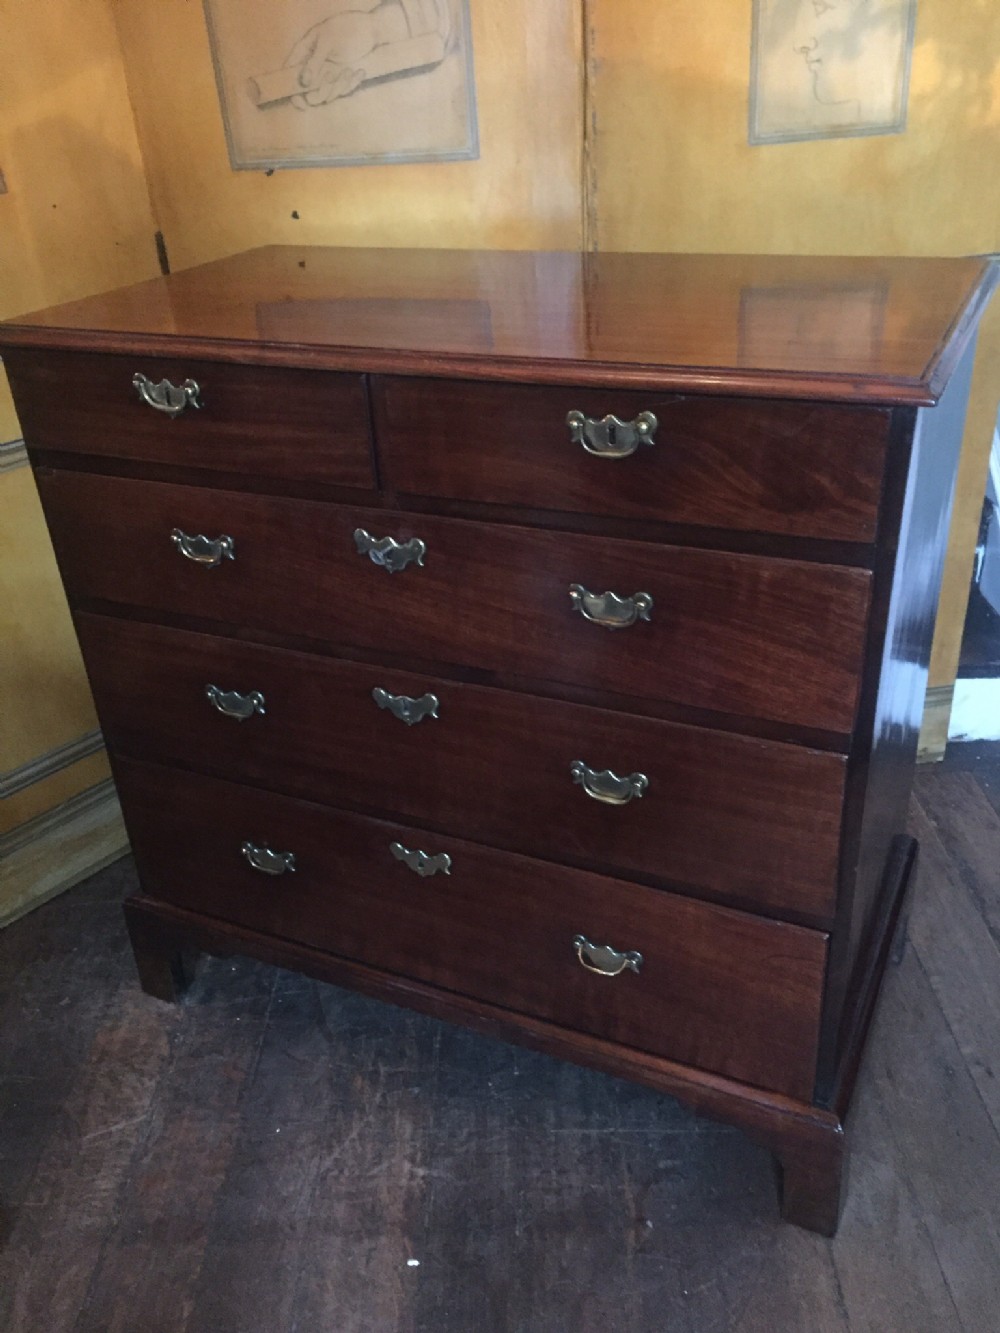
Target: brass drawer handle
{"type": "Point", "coordinates": [387, 552]}
{"type": "Point", "coordinates": [406, 709]}
{"type": "Point", "coordinates": [604, 960]}
{"type": "Point", "coordinates": [608, 609]}
{"type": "Point", "coordinates": [607, 437]}
{"type": "Point", "coordinates": [421, 863]}
{"type": "Point", "coordinates": [607, 786]}
{"type": "Point", "coordinates": [165, 397]}
{"type": "Point", "coordinates": [207, 551]}
{"type": "Point", "coordinates": [268, 862]}
{"type": "Point", "coordinates": [234, 704]}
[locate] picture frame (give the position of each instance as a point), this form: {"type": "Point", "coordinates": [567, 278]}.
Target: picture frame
{"type": "Point", "coordinates": [322, 83]}
{"type": "Point", "coordinates": [824, 69]}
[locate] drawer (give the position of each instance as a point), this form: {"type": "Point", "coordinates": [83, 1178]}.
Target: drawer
{"type": "Point", "coordinates": [265, 421]}
{"type": "Point", "coordinates": [799, 469]}
{"type": "Point", "coordinates": [779, 639]}
{"type": "Point", "coordinates": [756, 821]}
{"type": "Point", "coordinates": [716, 988]}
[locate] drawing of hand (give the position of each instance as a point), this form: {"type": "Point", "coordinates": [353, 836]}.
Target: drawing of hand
{"type": "Point", "coordinates": [329, 55]}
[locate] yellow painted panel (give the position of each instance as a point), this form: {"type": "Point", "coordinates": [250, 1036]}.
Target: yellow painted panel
{"type": "Point", "coordinates": [675, 172]}
{"type": "Point", "coordinates": [9, 428]}
{"type": "Point", "coordinates": [76, 216]}
{"type": "Point", "coordinates": [75, 219]}
{"type": "Point", "coordinates": [522, 193]}
{"type": "Point", "coordinates": [671, 169]}
{"type": "Point", "coordinates": [44, 698]}
{"type": "Point", "coordinates": [50, 792]}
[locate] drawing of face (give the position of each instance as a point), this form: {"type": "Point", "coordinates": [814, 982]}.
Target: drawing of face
{"type": "Point", "coordinates": [834, 39]}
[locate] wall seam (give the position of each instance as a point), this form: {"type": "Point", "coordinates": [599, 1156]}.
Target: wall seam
{"type": "Point", "coordinates": [158, 239]}
{"type": "Point", "coordinates": [588, 171]}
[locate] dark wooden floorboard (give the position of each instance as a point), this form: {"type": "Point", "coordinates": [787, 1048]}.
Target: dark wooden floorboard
{"type": "Point", "coordinates": [889, 1271]}
{"type": "Point", "coordinates": [967, 825]}
{"type": "Point", "coordinates": [982, 759]}
{"type": "Point", "coordinates": [277, 1156]}
{"type": "Point", "coordinates": [962, 962]}
{"type": "Point", "coordinates": [56, 1238]}
{"type": "Point", "coordinates": [157, 1244]}
{"type": "Point", "coordinates": [40, 1051]}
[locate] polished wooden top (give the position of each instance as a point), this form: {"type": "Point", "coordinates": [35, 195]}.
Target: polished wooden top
{"type": "Point", "coordinates": [863, 329]}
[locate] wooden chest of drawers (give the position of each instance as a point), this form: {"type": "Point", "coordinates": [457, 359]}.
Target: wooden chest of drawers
{"type": "Point", "coordinates": [536, 640]}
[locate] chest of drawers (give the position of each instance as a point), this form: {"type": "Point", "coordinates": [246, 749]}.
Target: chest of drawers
{"type": "Point", "coordinates": [536, 640]}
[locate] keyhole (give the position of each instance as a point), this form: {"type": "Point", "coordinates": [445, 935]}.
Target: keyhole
{"type": "Point", "coordinates": [612, 433]}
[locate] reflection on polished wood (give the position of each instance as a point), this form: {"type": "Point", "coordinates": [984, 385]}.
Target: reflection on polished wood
{"type": "Point", "coordinates": [868, 329]}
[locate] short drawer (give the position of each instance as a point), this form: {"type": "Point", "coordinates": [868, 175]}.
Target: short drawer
{"type": "Point", "coordinates": [754, 821]}
{"type": "Point", "coordinates": [798, 469]}
{"type": "Point", "coordinates": [260, 420]}
{"type": "Point", "coordinates": [715, 988]}
{"type": "Point", "coordinates": [779, 639]}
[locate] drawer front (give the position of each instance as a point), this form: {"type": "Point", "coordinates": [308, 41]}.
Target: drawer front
{"type": "Point", "coordinates": [718, 989]}
{"type": "Point", "coordinates": [266, 421]}
{"type": "Point", "coordinates": [803, 470]}
{"type": "Point", "coordinates": [754, 820]}
{"type": "Point", "coordinates": [739, 634]}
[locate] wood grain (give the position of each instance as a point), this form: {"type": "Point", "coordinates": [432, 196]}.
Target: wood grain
{"type": "Point", "coordinates": [163, 1215]}
{"type": "Point", "coordinates": [739, 464]}
{"type": "Point", "coordinates": [490, 597]}
{"type": "Point", "coordinates": [688, 323]}
{"type": "Point", "coordinates": [924, 1056]}
{"type": "Point", "coordinates": [754, 822]}
{"type": "Point", "coordinates": [297, 424]}
{"type": "Point", "coordinates": [964, 961]}
{"type": "Point", "coordinates": [720, 990]}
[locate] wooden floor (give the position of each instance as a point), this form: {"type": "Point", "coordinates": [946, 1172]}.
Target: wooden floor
{"type": "Point", "coordinates": [277, 1155]}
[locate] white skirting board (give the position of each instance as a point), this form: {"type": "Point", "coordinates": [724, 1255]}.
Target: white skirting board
{"type": "Point", "coordinates": [934, 728]}
{"type": "Point", "coordinates": [13, 454]}
{"type": "Point", "coordinates": [975, 713]}
{"type": "Point", "coordinates": [58, 849]}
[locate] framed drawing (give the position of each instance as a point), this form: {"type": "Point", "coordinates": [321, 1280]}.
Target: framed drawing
{"type": "Point", "coordinates": [829, 68]}
{"type": "Point", "coordinates": [319, 83]}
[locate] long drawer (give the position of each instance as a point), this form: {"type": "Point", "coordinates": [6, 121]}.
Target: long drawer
{"type": "Point", "coordinates": [712, 987]}
{"type": "Point", "coordinates": [801, 469]}
{"type": "Point", "coordinates": [756, 821]}
{"type": "Point", "coordinates": [740, 634]}
{"type": "Point", "coordinates": [301, 425]}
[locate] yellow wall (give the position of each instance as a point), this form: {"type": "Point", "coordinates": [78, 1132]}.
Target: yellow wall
{"type": "Point", "coordinates": [40, 662]}
{"type": "Point", "coordinates": [672, 170]}
{"type": "Point", "coordinates": [75, 219]}
{"type": "Point", "coordinates": [522, 193]}
{"type": "Point", "coordinates": [76, 216]}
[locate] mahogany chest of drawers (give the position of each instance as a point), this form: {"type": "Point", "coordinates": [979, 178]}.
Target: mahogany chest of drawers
{"type": "Point", "coordinates": [536, 640]}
